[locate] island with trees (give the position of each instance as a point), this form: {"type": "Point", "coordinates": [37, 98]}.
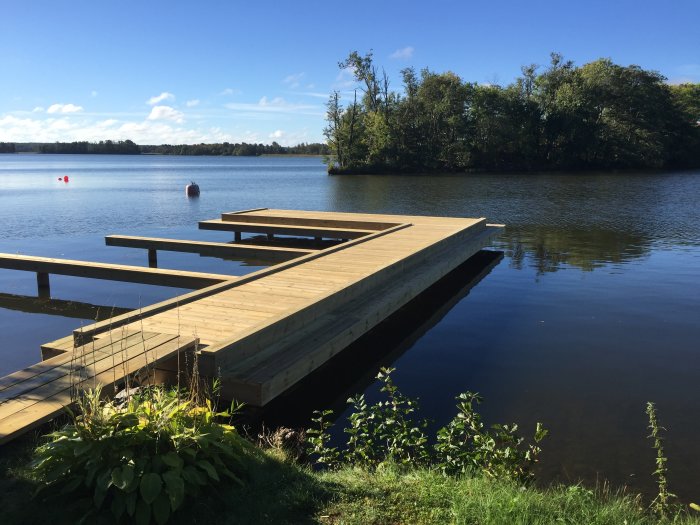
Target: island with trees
{"type": "Point", "coordinates": [597, 116]}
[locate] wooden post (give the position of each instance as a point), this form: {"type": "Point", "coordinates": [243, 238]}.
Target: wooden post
{"type": "Point", "coordinates": [237, 237]}
{"type": "Point", "coordinates": [318, 239]}
{"type": "Point", "coordinates": [43, 286]}
{"type": "Point", "coordinates": [152, 258]}
{"type": "Point", "coordinates": [270, 236]}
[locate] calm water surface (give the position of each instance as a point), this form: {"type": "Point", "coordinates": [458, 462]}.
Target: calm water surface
{"type": "Point", "coordinates": [593, 310]}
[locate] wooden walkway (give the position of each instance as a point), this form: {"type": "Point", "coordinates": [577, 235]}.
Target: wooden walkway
{"type": "Point", "coordinates": [40, 392]}
{"type": "Point", "coordinates": [263, 332]}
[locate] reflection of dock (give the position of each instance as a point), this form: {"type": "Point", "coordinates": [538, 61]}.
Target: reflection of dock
{"type": "Point", "coordinates": [263, 332]}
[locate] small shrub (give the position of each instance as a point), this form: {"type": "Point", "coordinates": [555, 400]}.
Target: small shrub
{"type": "Point", "coordinates": [389, 431]}
{"type": "Point", "coordinates": [465, 446]}
{"type": "Point", "coordinates": [139, 462]}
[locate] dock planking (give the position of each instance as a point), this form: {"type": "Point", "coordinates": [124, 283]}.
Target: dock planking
{"type": "Point", "coordinates": [264, 332]}
{"type": "Point", "coordinates": [216, 249]}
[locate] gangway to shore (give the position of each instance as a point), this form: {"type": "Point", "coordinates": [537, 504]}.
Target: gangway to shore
{"type": "Point", "coordinates": [260, 333]}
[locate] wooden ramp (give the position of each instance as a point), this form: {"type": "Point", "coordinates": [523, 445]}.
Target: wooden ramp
{"type": "Point", "coordinates": [39, 393]}
{"type": "Point", "coordinates": [264, 332]}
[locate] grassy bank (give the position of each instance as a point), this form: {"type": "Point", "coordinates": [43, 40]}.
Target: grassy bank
{"type": "Point", "coordinates": [278, 490]}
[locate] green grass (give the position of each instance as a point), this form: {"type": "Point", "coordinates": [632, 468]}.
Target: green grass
{"type": "Point", "coordinates": [279, 491]}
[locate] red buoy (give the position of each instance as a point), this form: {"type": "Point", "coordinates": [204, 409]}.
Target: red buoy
{"type": "Point", "coordinates": [65, 179]}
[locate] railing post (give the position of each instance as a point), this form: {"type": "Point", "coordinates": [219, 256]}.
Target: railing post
{"type": "Point", "coordinates": [43, 285]}
{"type": "Point", "coordinates": [153, 258]}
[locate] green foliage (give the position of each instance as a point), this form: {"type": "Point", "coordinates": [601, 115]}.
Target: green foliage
{"type": "Point", "coordinates": [139, 462]}
{"type": "Point", "coordinates": [389, 432]}
{"type": "Point", "coordinates": [465, 446]}
{"type": "Point", "coordinates": [597, 116]}
{"type": "Point", "coordinates": [662, 504]}
{"type": "Point", "coordinates": [385, 431]}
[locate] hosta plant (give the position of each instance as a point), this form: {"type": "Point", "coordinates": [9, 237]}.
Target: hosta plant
{"type": "Point", "coordinates": [139, 462]}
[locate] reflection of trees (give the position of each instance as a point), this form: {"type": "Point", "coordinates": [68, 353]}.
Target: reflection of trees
{"type": "Point", "coordinates": [549, 247]}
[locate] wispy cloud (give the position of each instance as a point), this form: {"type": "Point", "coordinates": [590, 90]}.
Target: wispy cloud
{"type": "Point", "coordinates": [93, 93]}
{"type": "Point", "coordinates": [314, 94]}
{"type": "Point", "coordinates": [63, 108]}
{"type": "Point", "coordinates": [228, 92]}
{"type": "Point", "coordinates": [275, 105]}
{"type": "Point", "coordinates": [63, 128]}
{"type": "Point", "coordinates": [192, 103]}
{"type": "Point", "coordinates": [160, 98]}
{"type": "Point", "coordinates": [166, 113]}
{"type": "Point", "coordinates": [404, 53]}
{"type": "Point", "coordinates": [38, 109]}
{"type": "Point", "coordinates": [293, 81]}
{"type": "Point", "coordinates": [345, 79]}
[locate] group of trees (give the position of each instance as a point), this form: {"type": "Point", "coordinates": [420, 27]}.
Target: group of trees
{"type": "Point", "coordinates": [238, 149]}
{"type": "Point", "coordinates": [103, 147]}
{"type": "Point", "coordinates": [127, 147]}
{"type": "Point", "coordinates": [597, 116]}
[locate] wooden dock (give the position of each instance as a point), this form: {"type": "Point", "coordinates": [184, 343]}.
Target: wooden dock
{"type": "Point", "coordinates": [263, 332]}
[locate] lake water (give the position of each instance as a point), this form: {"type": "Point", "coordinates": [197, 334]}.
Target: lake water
{"type": "Point", "coordinates": [593, 310]}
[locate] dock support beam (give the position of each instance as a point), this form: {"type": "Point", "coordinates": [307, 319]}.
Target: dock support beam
{"type": "Point", "coordinates": [270, 236]}
{"type": "Point", "coordinates": [152, 258]}
{"type": "Point", "coordinates": [237, 237]}
{"type": "Point", "coordinates": [43, 285]}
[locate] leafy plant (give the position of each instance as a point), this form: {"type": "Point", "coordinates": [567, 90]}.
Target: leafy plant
{"type": "Point", "coordinates": [389, 431]}
{"type": "Point", "coordinates": [386, 430]}
{"type": "Point", "coordinates": [139, 462]}
{"type": "Point", "coordinates": [465, 446]}
{"type": "Point", "coordinates": [662, 503]}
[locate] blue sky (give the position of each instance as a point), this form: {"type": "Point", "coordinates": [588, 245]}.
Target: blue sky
{"type": "Point", "coordinates": [179, 72]}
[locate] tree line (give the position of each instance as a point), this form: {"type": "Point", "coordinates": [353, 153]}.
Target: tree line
{"type": "Point", "coordinates": [127, 147]}
{"type": "Point", "coordinates": [597, 116]}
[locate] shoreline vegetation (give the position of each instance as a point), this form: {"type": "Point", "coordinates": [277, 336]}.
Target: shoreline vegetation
{"type": "Point", "coordinates": [128, 147]}
{"type": "Point", "coordinates": [599, 116]}
{"type": "Point", "coordinates": [168, 455]}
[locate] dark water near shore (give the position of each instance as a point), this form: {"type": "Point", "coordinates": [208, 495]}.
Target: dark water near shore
{"type": "Point", "coordinates": [593, 310]}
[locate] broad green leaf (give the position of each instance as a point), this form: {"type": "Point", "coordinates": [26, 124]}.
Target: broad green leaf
{"type": "Point", "coordinates": [208, 468]}
{"type": "Point", "coordinates": [161, 509]}
{"type": "Point", "coordinates": [150, 487]}
{"type": "Point", "coordinates": [175, 487]}
{"type": "Point", "coordinates": [171, 459]}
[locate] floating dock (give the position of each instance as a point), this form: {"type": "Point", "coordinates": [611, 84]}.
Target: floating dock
{"type": "Point", "coordinates": [260, 333]}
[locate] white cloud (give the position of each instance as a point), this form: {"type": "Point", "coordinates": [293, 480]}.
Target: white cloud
{"type": "Point", "coordinates": [345, 79]}
{"type": "Point", "coordinates": [272, 106]}
{"type": "Point", "coordinates": [192, 103]}
{"type": "Point", "coordinates": [293, 81]}
{"type": "Point", "coordinates": [227, 92]}
{"type": "Point", "coordinates": [65, 129]}
{"type": "Point", "coordinates": [38, 109]}
{"type": "Point", "coordinates": [93, 93]}
{"type": "Point", "coordinates": [160, 98]}
{"type": "Point", "coordinates": [64, 108]}
{"type": "Point", "coordinates": [166, 113]}
{"type": "Point", "coordinates": [277, 134]}
{"type": "Point", "coordinates": [403, 53]}
{"type": "Point", "coordinates": [277, 101]}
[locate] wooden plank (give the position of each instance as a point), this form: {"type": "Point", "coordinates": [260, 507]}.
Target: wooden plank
{"type": "Point", "coordinates": [54, 368]}
{"type": "Point", "coordinates": [258, 377]}
{"type": "Point", "coordinates": [84, 333]}
{"type": "Point", "coordinates": [16, 419]}
{"type": "Point", "coordinates": [217, 249]}
{"type": "Point", "coordinates": [301, 231]}
{"type": "Point", "coordinates": [113, 272]}
{"type": "Point", "coordinates": [307, 221]}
